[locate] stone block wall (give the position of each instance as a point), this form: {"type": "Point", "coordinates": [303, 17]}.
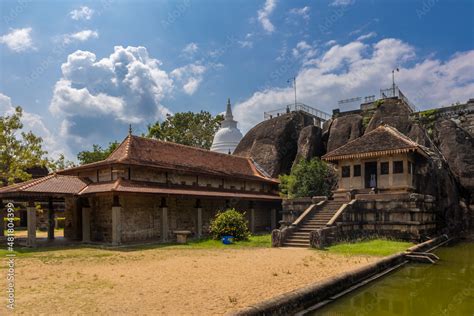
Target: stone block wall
{"type": "Point", "coordinates": [141, 216]}
{"type": "Point", "coordinates": [101, 218]}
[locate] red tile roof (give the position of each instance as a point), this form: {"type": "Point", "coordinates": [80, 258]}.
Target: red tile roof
{"type": "Point", "coordinates": [142, 151]}
{"type": "Point", "coordinates": [51, 184]}
{"type": "Point", "coordinates": [384, 140]}
{"type": "Point", "coordinates": [126, 186]}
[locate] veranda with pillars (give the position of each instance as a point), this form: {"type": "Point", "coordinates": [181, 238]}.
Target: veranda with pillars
{"type": "Point", "coordinates": [125, 218]}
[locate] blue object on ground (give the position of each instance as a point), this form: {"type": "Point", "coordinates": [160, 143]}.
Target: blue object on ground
{"type": "Point", "coordinates": [227, 240]}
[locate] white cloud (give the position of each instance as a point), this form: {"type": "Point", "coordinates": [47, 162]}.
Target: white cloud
{"type": "Point", "coordinates": [366, 36]}
{"type": "Point", "coordinates": [246, 44]}
{"type": "Point", "coordinates": [357, 69]}
{"type": "Point", "coordinates": [80, 36]}
{"type": "Point", "coordinates": [303, 12]}
{"type": "Point", "coordinates": [126, 87]}
{"type": "Point", "coordinates": [190, 76]}
{"type": "Point", "coordinates": [264, 14]}
{"type": "Point", "coordinates": [330, 43]}
{"type": "Point", "coordinates": [34, 123]}
{"type": "Point", "coordinates": [304, 51]}
{"type": "Point", "coordinates": [18, 40]}
{"type": "Point", "coordinates": [190, 49]}
{"type": "Point", "coordinates": [341, 3]}
{"type": "Point", "coordinates": [83, 13]}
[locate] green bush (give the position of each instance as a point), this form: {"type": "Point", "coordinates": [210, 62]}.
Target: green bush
{"type": "Point", "coordinates": [307, 179]}
{"type": "Point", "coordinates": [230, 223]}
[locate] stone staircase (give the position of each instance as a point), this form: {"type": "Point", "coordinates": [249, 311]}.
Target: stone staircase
{"type": "Point", "coordinates": [317, 219]}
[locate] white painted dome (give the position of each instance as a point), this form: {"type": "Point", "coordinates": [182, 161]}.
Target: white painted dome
{"type": "Point", "coordinates": [228, 136]}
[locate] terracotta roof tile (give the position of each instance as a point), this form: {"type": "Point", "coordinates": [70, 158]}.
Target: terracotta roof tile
{"type": "Point", "coordinates": [383, 140]}
{"type": "Point", "coordinates": [167, 155]}
{"type": "Point", "coordinates": [53, 183]}
{"type": "Point", "coordinates": [142, 187]}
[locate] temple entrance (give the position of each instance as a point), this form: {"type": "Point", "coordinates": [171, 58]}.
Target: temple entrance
{"type": "Point", "coordinates": [371, 174]}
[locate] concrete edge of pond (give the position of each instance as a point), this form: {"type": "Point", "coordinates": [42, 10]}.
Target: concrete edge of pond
{"type": "Point", "coordinates": [320, 293]}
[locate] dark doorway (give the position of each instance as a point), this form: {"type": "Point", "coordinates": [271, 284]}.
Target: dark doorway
{"type": "Point", "coordinates": [371, 174]}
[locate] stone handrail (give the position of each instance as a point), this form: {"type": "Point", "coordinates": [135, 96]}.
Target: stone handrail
{"type": "Point", "coordinates": [306, 212]}
{"type": "Point", "coordinates": [279, 235]}
{"type": "Point", "coordinates": [340, 211]}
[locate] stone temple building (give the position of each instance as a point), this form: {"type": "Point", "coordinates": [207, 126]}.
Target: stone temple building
{"type": "Point", "coordinates": [383, 160]}
{"type": "Point", "coordinates": [228, 136]}
{"type": "Point", "coordinates": [148, 189]}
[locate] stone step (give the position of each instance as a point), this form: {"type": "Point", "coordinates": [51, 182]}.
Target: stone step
{"type": "Point", "coordinates": [296, 245]}
{"type": "Point", "coordinates": [298, 233]}
{"type": "Point", "coordinates": [296, 239]}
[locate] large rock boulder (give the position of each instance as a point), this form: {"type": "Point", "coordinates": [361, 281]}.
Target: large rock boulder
{"type": "Point", "coordinates": [392, 112]}
{"type": "Point", "coordinates": [343, 129]}
{"type": "Point", "coordinates": [457, 146]}
{"type": "Point", "coordinates": [310, 143]}
{"type": "Point", "coordinates": [273, 143]}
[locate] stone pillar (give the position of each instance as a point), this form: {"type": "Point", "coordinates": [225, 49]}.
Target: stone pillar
{"type": "Point", "coordinates": [116, 225]}
{"type": "Point", "coordinates": [164, 224]}
{"type": "Point", "coordinates": [3, 211]}
{"type": "Point", "coordinates": [273, 218]}
{"type": "Point", "coordinates": [390, 172]}
{"type": "Point", "coordinates": [252, 220]}
{"type": "Point", "coordinates": [86, 224]}
{"type": "Point", "coordinates": [31, 218]}
{"type": "Point", "coordinates": [199, 222]}
{"type": "Point", "coordinates": [51, 223]}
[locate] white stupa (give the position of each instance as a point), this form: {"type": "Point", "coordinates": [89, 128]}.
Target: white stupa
{"type": "Point", "coordinates": [228, 136]}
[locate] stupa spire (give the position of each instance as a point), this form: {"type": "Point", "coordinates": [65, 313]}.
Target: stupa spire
{"type": "Point", "coordinates": [228, 112]}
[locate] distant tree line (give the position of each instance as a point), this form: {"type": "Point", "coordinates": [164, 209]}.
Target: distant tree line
{"type": "Point", "coordinates": [21, 151]}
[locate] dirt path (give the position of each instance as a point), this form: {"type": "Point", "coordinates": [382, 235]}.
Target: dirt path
{"type": "Point", "coordinates": [166, 281]}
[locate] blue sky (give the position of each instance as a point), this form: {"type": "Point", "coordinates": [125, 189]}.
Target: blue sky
{"type": "Point", "coordinates": [84, 70]}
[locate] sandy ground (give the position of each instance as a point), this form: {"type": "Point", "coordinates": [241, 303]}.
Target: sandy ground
{"type": "Point", "coordinates": [165, 281]}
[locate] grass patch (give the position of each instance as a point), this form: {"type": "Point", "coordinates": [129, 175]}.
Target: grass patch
{"type": "Point", "coordinates": [255, 241]}
{"type": "Point", "coordinates": [375, 247]}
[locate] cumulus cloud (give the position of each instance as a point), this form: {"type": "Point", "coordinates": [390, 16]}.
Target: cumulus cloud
{"type": "Point", "coordinates": [304, 51]}
{"type": "Point", "coordinates": [366, 36]}
{"type": "Point", "coordinates": [302, 12]}
{"type": "Point", "coordinates": [83, 13]}
{"type": "Point", "coordinates": [34, 123]}
{"type": "Point", "coordinates": [18, 40]}
{"type": "Point", "coordinates": [80, 36]}
{"type": "Point", "coordinates": [358, 69]}
{"type": "Point", "coordinates": [190, 76]}
{"type": "Point", "coordinates": [190, 49]}
{"type": "Point", "coordinates": [97, 98]}
{"type": "Point", "coordinates": [264, 15]}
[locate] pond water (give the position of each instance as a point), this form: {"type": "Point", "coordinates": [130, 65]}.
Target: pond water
{"type": "Point", "coordinates": [445, 288]}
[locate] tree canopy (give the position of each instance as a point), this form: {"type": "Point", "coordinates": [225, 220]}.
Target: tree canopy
{"type": "Point", "coordinates": [97, 153]}
{"type": "Point", "coordinates": [308, 178]}
{"type": "Point", "coordinates": [187, 128]}
{"type": "Point", "coordinates": [19, 151]}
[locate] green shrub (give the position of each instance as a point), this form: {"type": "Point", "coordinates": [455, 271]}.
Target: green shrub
{"type": "Point", "coordinates": [307, 179]}
{"type": "Point", "coordinates": [230, 223]}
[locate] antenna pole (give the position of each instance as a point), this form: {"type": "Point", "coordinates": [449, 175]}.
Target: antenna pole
{"type": "Point", "coordinates": [294, 84]}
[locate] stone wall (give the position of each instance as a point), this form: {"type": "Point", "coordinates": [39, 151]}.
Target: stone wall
{"type": "Point", "coordinates": [141, 216]}
{"type": "Point", "coordinates": [402, 216]}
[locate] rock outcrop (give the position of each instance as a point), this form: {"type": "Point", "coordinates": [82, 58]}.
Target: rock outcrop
{"type": "Point", "coordinates": [392, 112]}
{"type": "Point", "coordinates": [457, 146]}
{"type": "Point", "coordinates": [344, 129]}
{"type": "Point", "coordinates": [273, 143]}
{"type": "Point", "coordinates": [310, 143]}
